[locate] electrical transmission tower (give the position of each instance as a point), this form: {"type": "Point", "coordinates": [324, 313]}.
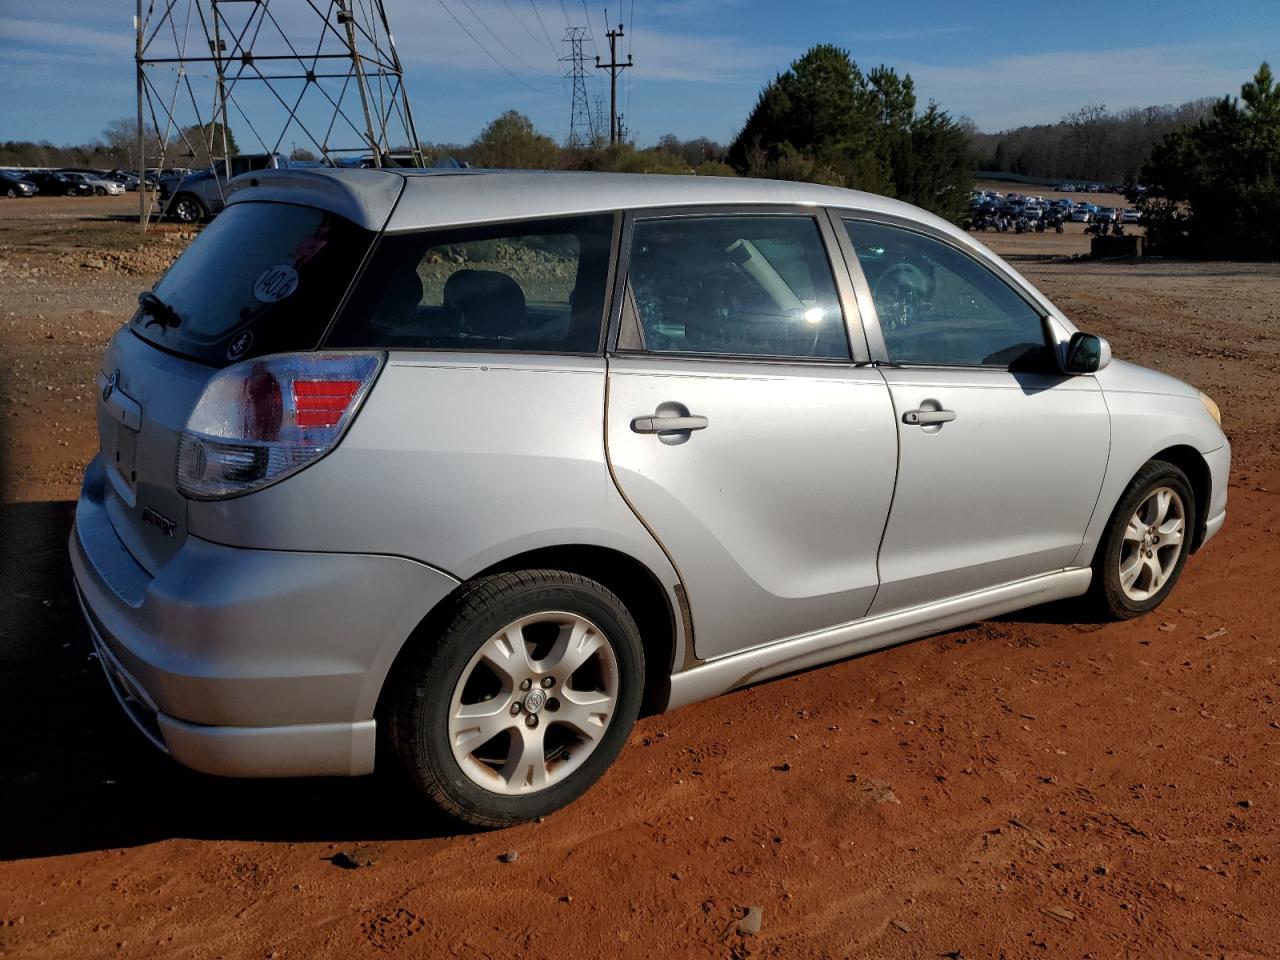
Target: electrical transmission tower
{"type": "Point", "coordinates": [597, 112]}
{"type": "Point", "coordinates": [615, 68]}
{"type": "Point", "coordinates": [582, 128]}
{"type": "Point", "coordinates": [322, 72]}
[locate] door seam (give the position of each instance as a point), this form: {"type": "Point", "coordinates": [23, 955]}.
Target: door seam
{"type": "Point", "coordinates": [897, 473]}
{"type": "Point", "coordinates": [685, 613]}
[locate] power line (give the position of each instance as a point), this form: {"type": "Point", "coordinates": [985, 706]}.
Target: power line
{"type": "Point", "coordinates": [590, 35]}
{"type": "Point", "coordinates": [501, 43]}
{"type": "Point", "coordinates": [550, 43]}
{"type": "Point", "coordinates": [514, 16]}
{"type": "Point", "coordinates": [486, 50]}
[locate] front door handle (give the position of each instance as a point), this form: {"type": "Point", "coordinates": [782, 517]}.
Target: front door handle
{"type": "Point", "coordinates": [657, 424]}
{"type": "Point", "coordinates": [925, 418]}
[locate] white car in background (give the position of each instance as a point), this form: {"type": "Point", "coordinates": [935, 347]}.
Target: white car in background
{"type": "Point", "coordinates": [100, 186]}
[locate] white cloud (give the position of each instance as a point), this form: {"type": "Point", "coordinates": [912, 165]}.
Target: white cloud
{"type": "Point", "coordinates": [72, 37]}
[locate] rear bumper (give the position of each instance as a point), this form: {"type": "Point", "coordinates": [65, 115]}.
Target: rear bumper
{"type": "Point", "coordinates": [251, 663]}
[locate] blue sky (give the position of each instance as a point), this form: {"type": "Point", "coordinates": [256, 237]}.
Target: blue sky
{"type": "Point", "coordinates": [68, 65]}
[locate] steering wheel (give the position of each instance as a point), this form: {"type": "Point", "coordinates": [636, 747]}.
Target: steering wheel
{"type": "Point", "coordinates": [895, 290]}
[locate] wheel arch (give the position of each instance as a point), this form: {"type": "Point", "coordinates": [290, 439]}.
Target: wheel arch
{"type": "Point", "coordinates": [1192, 462]}
{"type": "Point", "coordinates": [639, 589]}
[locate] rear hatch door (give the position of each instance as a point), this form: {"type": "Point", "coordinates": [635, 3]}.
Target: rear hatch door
{"type": "Point", "coordinates": [264, 277]}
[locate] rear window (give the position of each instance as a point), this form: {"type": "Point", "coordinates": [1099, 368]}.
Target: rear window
{"type": "Point", "coordinates": [533, 287]}
{"type": "Point", "coordinates": [262, 278]}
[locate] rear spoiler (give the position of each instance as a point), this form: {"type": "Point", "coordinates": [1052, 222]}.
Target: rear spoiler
{"type": "Point", "coordinates": [365, 197]}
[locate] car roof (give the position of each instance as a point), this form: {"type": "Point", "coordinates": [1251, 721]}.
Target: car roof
{"type": "Point", "coordinates": [422, 199]}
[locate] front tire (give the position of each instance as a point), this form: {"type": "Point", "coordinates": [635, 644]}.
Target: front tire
{"type": "Point", "coordinates": [522, 701]}
{"type": "Point", "coordinates": [187, 209]}
{"type": "Point", "coordinates": [1146, 542]}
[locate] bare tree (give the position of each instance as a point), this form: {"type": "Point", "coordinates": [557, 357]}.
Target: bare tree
{"type": "Point", "coordinates": [1090, 129]}
{"type": "Point", "coordinates": [120, 137]}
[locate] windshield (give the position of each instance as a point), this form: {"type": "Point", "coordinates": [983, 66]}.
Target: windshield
{"type": "Point", "coordinates": [262, 278]}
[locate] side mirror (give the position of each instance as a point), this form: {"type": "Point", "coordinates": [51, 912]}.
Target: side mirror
{"type": "Point", "coordinates": [1087, 353]}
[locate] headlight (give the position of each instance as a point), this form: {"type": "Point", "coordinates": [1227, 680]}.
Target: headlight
{"type": "Point", "coordinates": [1212, 408]}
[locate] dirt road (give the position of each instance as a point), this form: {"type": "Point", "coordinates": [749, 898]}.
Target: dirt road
{"type": "Point", "coordinates": [1027, 787]}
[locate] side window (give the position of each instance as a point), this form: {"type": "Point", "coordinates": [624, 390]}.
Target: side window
{"type": "Point", "coordinates": [736, 285]}
{"type": "Point", "coordinates": [938, 306]}
{"type": "Point", "coordinates": [528, 286]}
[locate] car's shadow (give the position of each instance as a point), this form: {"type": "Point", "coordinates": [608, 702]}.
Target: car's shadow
{"type": "Point", "coordinates": [76, 776]}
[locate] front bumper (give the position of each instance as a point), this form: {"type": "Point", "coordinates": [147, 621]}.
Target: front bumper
{"type": "Point", "coordinates": [251, 663]}
{"type": "Point", "coordinates": [1219, 462]}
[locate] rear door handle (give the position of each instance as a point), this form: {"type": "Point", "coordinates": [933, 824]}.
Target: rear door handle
{"type": "Point", "coordinates": [668, 424]}
{"type": "Point", "coordinates": [924, 418]}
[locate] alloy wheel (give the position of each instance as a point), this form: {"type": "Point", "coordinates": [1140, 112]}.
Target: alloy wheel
{"type": "Point", "coordinates": [188, 211]}
{"type": "Point", "coordinates": [1152, 544]}
{"type": "Point", "coordinates": [533, 703]}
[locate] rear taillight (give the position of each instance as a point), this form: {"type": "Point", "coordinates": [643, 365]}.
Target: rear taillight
{"type": "Point", "coordinates": [262, 420]}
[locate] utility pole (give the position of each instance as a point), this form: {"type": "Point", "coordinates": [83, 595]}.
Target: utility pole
{"type": "Point", "coordinates": [582, 131]}
{"type": "Point", "coordinates": [614, 68]}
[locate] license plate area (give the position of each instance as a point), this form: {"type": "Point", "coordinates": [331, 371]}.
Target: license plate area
{"type": "Point", "coordinates": [123, 464]}
{"type": "Point", "coordinates": [120, 433]}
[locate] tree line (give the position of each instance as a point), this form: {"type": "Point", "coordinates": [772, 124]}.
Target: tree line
{"type": "Point", "coordinates": [118, 148]}
{"type": "Point", "coordinates": [1092, 143]}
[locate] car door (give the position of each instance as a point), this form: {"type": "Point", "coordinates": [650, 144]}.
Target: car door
{"type": "Point", "coordinates": [755, 445]}
{"type": "Point", "coordinates": [1001, 456]}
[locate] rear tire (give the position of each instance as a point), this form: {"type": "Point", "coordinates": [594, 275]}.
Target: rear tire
{"type": "Point", "coordinates": [521, 701]}
{"type": "Point", "coordinates": [1145, 543]}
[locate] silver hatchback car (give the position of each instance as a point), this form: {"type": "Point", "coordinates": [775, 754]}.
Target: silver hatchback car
{"type": "Point", "coordinates": [464, 470]}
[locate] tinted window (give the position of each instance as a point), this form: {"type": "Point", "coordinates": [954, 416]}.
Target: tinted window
{"type": "Point", "coordinates": [262, 278]}
{"type": "Point", "coordinates": [938, 306]}
{"type": "Point", "coordinates": [533, 287]}
{"type": "Point", "coordinates": [743, 285]}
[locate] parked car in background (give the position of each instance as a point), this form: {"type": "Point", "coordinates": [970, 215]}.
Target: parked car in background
{"type": "Point", "coordinates": [13, 184]}
{"type": "Point", "coordinates": [1106, 215]}
{"type": "Point", "coordinates": [1081, 214]}
{"type": "Point", "coordinates": [192, 197]}
{"type": "Point", "coordinates": [98, 185]}
{"type": "Point", "coordinates": [459, 471]}
{"type": "Point", "coordinates": [125, 178]}
{"type": "Point", "coordinates": [1131, 215]}
{"type": "Point", "coordinates": [53, 184]}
